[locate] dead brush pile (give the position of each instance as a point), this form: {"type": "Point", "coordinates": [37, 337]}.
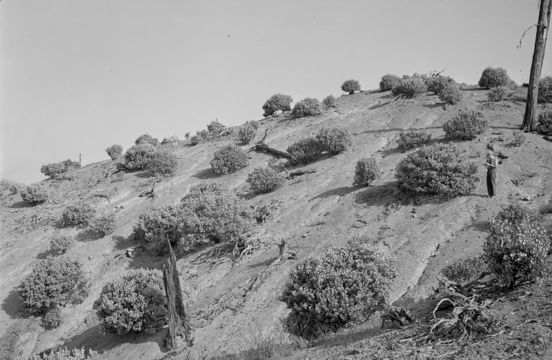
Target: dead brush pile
{"type": "Point", "coordinates": [467, 312]}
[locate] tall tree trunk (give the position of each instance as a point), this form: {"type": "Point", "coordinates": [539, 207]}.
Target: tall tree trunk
{"type": "Point", "coordinates": [536, 65]}
{"type": "Point", "coordinates": [178, 321]}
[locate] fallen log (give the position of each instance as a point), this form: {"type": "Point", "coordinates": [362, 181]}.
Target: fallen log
{"type": "Point", "coordinates": [264, 148]}
{"type": "Point", "coordinates": [296, 173]}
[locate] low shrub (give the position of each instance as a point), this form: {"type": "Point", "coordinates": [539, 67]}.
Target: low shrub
{"type": "Point", "coordinates": [55, 281]}
{"type": "Point", "coordinates": [545, 90]}
{"type": "Point", "coordinates": [436, 84]}
{"type": "Point", "coordinates": [450, 94]}
{"type": "Point", "coordinates": [544, 122]}
{"type": "Point", "coordinates": [277, 102]}
{"type": "Point", "coordinates": [388, 82]}
{"type": "Point", "coordinates": [35, 194]}
{"type": "Point", "coordinates": [114, 151]}
{"type": "Point", "coordinates": [464, 270]}
{"type": "Point", "coordinates": [498, 93]}
{"type": "Point", "coordinates": [307, 107]}
{"type": "Point", "coordinates": [156, 226]}
{"type": "Point", "coordinates": [53, 170]}
{"type": "Point", "coordinates": [60, 244]}
{"type": "Point", "coordinates": [465, 125]}
{"type": "Point", "coordinates": [264, 180]}
{"type": "Point", "coordinates": [65, 354]}
{"type": "Point", "coordinates": [162, 163]}
{"type": "Point", "coordinates": [437, 169]}
{"type": "Point", "coordinates": [517, 246]}
{"type": "Point", "coordinates": [171, 141]}
{"type": "Point", "coordinates": [133, 303]}
{"type": "Point", "coordinates": [78, 215]}
{"type": "Point", "coordinates": [366, 172]}
{"type": "Point", "coordinates": [146, 139]}
{"type": "Point", "coordinates": [335, 140]}
{"type": "Point", "coordinates": [138, 156]}
{"type": "Point", "coordinates": [103, 225]}
{"type": "Point", "coordinates": [493, 77]}
{"type": "Point", "coordinates": [211, 212]}
{"type": "Point", "coordinates": [215, 128]}
{"type": "Point", "coordinates": [229, 159]}
{"type": "Point", "coordinates": [305, 151]}
{"type": "Point", "coordinates": [518, 139]}
{"type": "Point", "coordinates": [52, 318]}
{"type": "Point", "coordinates": [194, 140]}
{"type": "Point", "coordinates": [413, 138]}
{"type": "Point", "coordinates": [246, 133]}
{"type": "Point", "coordinates": [329, 102]}
{"type": "Point", "coordinates": [410, 88]}
{"type": "Point", "coordinates": [344, 285]}
{"type": "Point", "coordinates": [350, 86]}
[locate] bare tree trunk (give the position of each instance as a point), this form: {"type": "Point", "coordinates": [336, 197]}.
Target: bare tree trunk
{"type": "Point", "coordinates": [178, 321]}
{"type": "Point", "coordinates": [536, 65]}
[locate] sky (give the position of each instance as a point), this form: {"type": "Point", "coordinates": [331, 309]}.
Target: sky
{"type": "Point", "coordinates": [77, 76]}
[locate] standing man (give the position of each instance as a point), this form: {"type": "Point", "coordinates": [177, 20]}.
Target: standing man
{"type": "Point", "coordinates": [491, 164]}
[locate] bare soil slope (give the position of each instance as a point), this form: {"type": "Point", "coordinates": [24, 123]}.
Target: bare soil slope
{"type": "Point", "coordinates": [230, 298]}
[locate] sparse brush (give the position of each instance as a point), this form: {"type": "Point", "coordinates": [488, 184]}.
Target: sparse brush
{"type": "Point", "coordinates": [450, 94]}
{"type": "Point", "coordinates": [146, 139]}
{"type": "Point", "coordinates": [466, 269]}
{"type": "Point", "coordinates": [305, 151]}
{"type": "Point", "coordinates": [436, 84]}
{"type": "Point", "coordinates": [162, 163]}
{"type": "Point", "coordinates": [52, 318]}
{"type": "Point", "coordinates": [264, 180]}
{"type": "Point", "coordinates": [114, 151]}
{"type": "Point", "coordinates": [216, 128]}
{"type": "Point", "coordinates": [335, 140]}
{"type": "Point", "coordinates": [103, 225]}
{"type": "Point", "coordinates": [498, 93]}
{"type": "Point", "coordinates": [138, 156]}
{"type": "Point", "coordinates": [329, 102]}
{"type": "Point", "coordinates": [78, 215]}
{"type": "Point", "coordinates": [366, 172]}
{"type": "Point", "coordinates": [35, 194]}
{"type": "Point", "coordinates": [60, 244]}
{"type": "Point", "coordinates": [518, 140]}
{"type": "Point", "coordinates": [465, 125]}
{"type": "Point", "coordinates": [228, 159]}
{"type": "Point", "coordinates": [410, 88]}
{"type": "Point", "coordinates": [413, 138]}
{"type": "Point", "coordinates": [544, 124]}
{"type": "Point", "coordinates": [388, 82]}
{"type": "Point", "coordinates": [545, 90]}
{"type": "Point", "coordinates": [247, 132]}
{"type": "Point", "coordinates": [65, 354]}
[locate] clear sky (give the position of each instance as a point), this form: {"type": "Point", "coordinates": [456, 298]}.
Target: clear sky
{"type": "Point", "coordinates": [77, 76]}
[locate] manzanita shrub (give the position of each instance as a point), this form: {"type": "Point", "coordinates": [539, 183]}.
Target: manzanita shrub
{"type": "Point", "coordinates": [114, 151]}
{"type": "Point", "coordinates": [305, 151]}
{"type": "Point", "coordinates": [79, 215]}
{"type": "Point", "coordinates": [450, 94]}
{"type": "Point", "coordinates": [335, 140]}
{"type": "Point", "coordinates": [344, 285]}
{"type": "Point", "coordinates": [247, 132]}
{"type": "Point", "coordinates": [133, 303]}
{"type": "Point", "coordinates": [329, 102]}
{"type": "Point", "coordinates": [388, 82]}
{"type": "Point", "coordinates": [162, 163]}
{"type": "Point", "coordinates": [493, 77]}
{"type": "Point", "coordinates": [55, 281]}
{"type": "Point", "coordinates": [54, 170]}
{"type": "Point", "coordinates": [146, 139]}
{"type": "Point", "coordinates": [307, 107]}
{"type": "Point", "coordinates": [350, 86]}
{"type": "Point", "coordinates": [103, 225]}
{"type": "Point", "coordinates": [517, 246]}
{"type": "Point", "coordinates": [366, 172]}
{"type": "Point", "coordinates": [465, 125]}
{"type": "Point", "coordinates": [138, 156]}
{"type": "Point", "coordinates": [438, 169]}
{"type": "Point", "coordinates": [229, 159]}
{"type": "Point", "coordinates": [411, 87]}
{"type": "Point", "coordinates": [264, 180]}
{"type": "Point", "coordinates": [545, 90]}
{"type": "Point", "coordinates": [35, 194]}
{"type": "Point", "coordinates": [277, 102]}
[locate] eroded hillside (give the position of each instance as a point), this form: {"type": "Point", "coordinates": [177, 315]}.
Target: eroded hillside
{"type": "Point", "coordinates": [231, 297]}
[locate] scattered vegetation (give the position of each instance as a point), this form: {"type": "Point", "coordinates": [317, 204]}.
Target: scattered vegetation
{"type": "Point", "coordinates": [138, 156]}
{"type": "Point", "coordinates": [366, 172]}
{"type": "Point", "coordinates": [103, 225]}
{"type": "Point", "coordinates": [60, 244]}
{"type": "Point", "coordinates": [264, 180]}
{"type": "Point", "coordinates": [277, 102]}
{"type": "Point", "coordinates": [517, 246]}
{"type": "Point", "coordinates": [436, 84]}
{"type": "Point", "coordinates": [545, 90]}
{"type": "Point", "coordinates": [53, 282]}
{"type": "Point", "coordinates": [388, 82]}
{"type": "Point", "coordinates": [52, 318]}
{"type": "Point", "coordinates": [134, 303]}
{"type": "Point", "coordinates": [413, 139]}
{"type": "Point", "coordinates": [465, 270]}
{"type": "Point", "coordinates": [437, 169]}
{"type": "Point", "coordinates": [114, 151]}
{"type": "Point", "coordinates": [247, 132]}
{"type": "Point", "coordinates": [228, 160]}
{"type": "Point", "coordinates": [194, 140]}
{"type": "Point", "coordinates": [54, 170]}
{"type": "Point", "coordinates": [146, 139]}
{"type": "Point", "coordinates": [35, 194]}
{"type": "Point", "coordinates": [493, 77]}
{"type": "Point", "coordinates": [350, 86]}
{"type": "Point", "coordinates": [216, 128]}
{"type": "Point", "coordinates": [410, 87]}
{"type": "Point", "coordinates": [307, 107]}
{"type": "Point", "coordinates": [518, 139]}
{"type": "Point", "coordinates": [544, 122]}
{"type": "Point", "coordinates": [465, 125]}
{"type": "Point", "coordinates": [162, 163]}
{"type": "Point", "coordinates": [155, 227]}
{"type": "Point", "coordinates": [79, 215]}
{"type": "Point", "coordinates": [335, 140]}
{"type": "Point", "coordinates": [305, 151]}
{"type": "Point", "coordinates": [13, 187]}
{"type": "Point", "coordinates": [329, 102]}
{"type": "Point", "coordinates": [344, 285]}
{"type": "Point", "coordinates": [450, 94]}
{"type": "Point", "coordinates": [498, 93]}
{"type": "Point", "coordinates": [64, 354]}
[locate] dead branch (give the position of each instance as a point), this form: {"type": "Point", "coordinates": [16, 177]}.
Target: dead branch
{"type": "Point", "coordinates": [296, 173]}
{"type": "Point", "coordinates": [523, 35]}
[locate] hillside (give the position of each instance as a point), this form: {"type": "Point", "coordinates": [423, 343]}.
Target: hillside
{"type": "Point", "coordinates": [231, 299]}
